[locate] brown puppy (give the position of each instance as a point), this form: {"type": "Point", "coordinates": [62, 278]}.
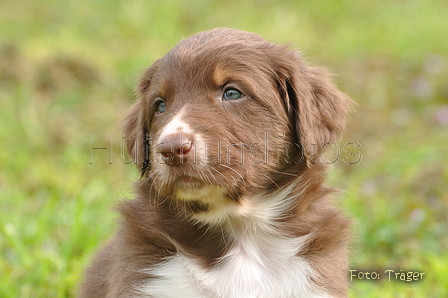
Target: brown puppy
{"type": "Point", "coordinates": [228, 132]}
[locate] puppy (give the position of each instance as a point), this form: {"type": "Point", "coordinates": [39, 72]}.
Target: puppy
{"type": "Point", "coordinates": [228, 133]}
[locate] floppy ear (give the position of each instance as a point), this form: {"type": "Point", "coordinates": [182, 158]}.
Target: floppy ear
{"type": "Point", "coordinates": [317, 109]}
{"type": "Point", "coordinates": [136, 124]}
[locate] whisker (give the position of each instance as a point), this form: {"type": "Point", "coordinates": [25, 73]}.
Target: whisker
{"type": "Point", "coordinates": [210, 126]}
{"type": "Point", "coordinates": [229, 224]}
{"type": "Point", "coordinates": [284, 173]}
{"type": "Point", "coordinates": [227, 179]}
{"type": "Point", "coordinates": [271, 180]}
{"type": "Point", "coordinates": [223, 237]}
{"type": "Point", "coordinates": [241, 176]}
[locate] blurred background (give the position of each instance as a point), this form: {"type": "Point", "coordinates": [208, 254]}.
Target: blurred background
{"type": "Point", "coordinates": [67, 73]}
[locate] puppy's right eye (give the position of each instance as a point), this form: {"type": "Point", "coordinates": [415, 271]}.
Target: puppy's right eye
{"type": "Point", "coordinates": [160, 106]}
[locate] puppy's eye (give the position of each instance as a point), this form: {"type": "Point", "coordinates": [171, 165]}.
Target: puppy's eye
{"type": "Point", "coordinates": [160, 106]}
{"type": "Point", "coordinates": [232, 94]}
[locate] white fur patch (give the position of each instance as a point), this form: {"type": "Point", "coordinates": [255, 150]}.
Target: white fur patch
{"type": "Point", "coordinates": [245, 272]}
{"type": "Point", "coordinates": [261, 263]}
{"type": "Point", "coordinates": [175, 125]}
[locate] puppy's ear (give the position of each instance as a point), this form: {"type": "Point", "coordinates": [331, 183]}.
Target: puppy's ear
{"type": "Point", "coordinates": [136, 124]}
{"type": "Point", "coordinates": [317, 109]}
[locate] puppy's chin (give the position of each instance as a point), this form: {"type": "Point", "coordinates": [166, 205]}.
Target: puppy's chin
{"type": "Point", "coordinates": [209, 204]}
{"type": "Point", "coordinates": [188, 188]}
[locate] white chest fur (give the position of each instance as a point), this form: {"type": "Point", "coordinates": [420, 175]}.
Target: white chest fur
{"type": "Point", "coordinates": [265, 268]}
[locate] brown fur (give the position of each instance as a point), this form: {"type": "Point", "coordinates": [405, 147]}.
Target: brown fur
{"type": "Point", "coordinates": [288, 98]}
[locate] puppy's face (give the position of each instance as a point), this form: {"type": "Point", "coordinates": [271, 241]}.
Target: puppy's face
{"type": "Point", "coordinates": [226, 115]}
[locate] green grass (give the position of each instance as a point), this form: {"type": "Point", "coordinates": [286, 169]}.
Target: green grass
{"type": "Point", "coordinates": [67, 71]}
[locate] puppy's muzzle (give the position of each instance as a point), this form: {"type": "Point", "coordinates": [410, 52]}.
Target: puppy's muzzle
{"type": "Point", "coordinates": [176, 149]}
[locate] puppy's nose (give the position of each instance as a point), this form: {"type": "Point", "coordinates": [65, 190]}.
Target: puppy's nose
{"type": "Point", "coordinates": [176, 148]}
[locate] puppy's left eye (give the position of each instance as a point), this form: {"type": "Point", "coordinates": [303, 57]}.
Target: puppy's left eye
{"type": "Point", "coordinates": [232, 94]}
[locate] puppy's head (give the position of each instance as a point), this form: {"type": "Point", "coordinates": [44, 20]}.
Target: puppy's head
{"type": "Point", "coordinates": [224, 115]}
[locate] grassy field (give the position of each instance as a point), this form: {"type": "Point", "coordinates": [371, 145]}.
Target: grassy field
{"type": "Point", "coordinates": [67, 72]}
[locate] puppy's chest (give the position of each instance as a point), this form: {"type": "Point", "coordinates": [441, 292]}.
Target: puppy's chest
{"type": "Point", "coordinates": [246, 271]}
